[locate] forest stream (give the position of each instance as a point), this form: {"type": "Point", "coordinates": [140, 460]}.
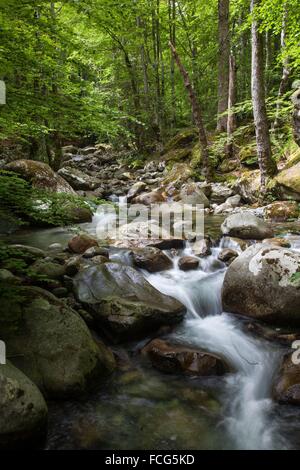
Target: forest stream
{"type": "Point", "coordinates": [141, 408]}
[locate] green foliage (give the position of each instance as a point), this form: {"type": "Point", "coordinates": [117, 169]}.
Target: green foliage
{"type": "Point", "coordinates": [25, 204]}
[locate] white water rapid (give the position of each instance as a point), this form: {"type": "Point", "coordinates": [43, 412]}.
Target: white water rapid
{"type": "Point", "coordinates": [247, 402]}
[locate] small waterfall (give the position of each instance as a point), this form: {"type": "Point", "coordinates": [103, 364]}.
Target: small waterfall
{"type": "Point", "coordinates": [247, 403]}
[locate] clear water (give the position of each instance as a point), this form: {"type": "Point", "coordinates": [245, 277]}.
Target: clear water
{"type": "Point", "coordinates": [140, 408]}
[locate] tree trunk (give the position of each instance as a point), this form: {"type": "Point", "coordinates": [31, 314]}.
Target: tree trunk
{"type": "Point", "coordinates": [197, 114]}
{"type": "Point", "coordinates": [266, 164]}
{"type": "Point", "coordinates": [231, 121]}
{"type": "Point", "coordinates": [223, 74]}
{"type": "Point", "coordinates": [172, 36]}
{"type": "Point", "coordinates": [285, 69]}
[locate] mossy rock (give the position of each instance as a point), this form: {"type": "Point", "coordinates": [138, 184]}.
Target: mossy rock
{"type": "Point", "coordinates": [51, 344]}
{"type": "Point", "coordinates": [178, 154]}
{"type": "Point", "coordinates": [293, 159]}
{"type": "Point", "coordinates": [248, 156]}
{"type": "Point", "coordinates": [289, 181]}
{"type": "Point", "coordinates": [181, 140]}
{"type": "Point", "coordinates": [228, 165]}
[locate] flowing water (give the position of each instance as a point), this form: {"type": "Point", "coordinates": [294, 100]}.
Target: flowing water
{"type": "Point", "coordinates": [140, 408]}
{"type": "Point", "coordinates": [246, 398]}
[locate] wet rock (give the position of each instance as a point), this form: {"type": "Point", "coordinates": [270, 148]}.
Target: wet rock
{"type": "Point", "coordinates": [191, 194]}
{"type": "Point", "coordinates": [96, 251]}
{"type": "Point", "coordinates": [152, 259]}
{"type": "Point", "coordinates": [202, 247]}
{"type": "Point", "coordinates": [174, 359]}
{"type": "Point", "coordinates": [81, 243]}
{"type": "Point", "coordinates": [23, 411]}
{"type": "Point", "coordinates": [245, 225]}
{"type": "Point", "coordinates": [40, 175]}
{"type": "Point", "coordinates": [99, 259]}
{"type": "Point", "coordinates": [260, 284]}
{"type": "Point", "coordinates": [227, 255]}
{"type": "Point", "coordinates": [278, 335]}
{"type": "Point", "coordinates": [72, 266]}
{"type": "Point", "coordinates": [123, 302]}
{"type": "Point", "coordinates": [47, 268]}
{"type": "Point", "coordinates": [51, 344]}
{"type": "Point", "coordinates": [286, 389]}
{"type": "Point", "coordinates": [235, 242]}
{"type": "Point", "coordinates": [281, 211]}
{"type": "Point", "coordinates": [188, 263]}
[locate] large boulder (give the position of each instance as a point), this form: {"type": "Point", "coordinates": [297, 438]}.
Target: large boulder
{"type": "Point", "coordinates": [51, 344]}
{"type": "Point", "coordinates": [40, 175]}
{"type": "Point", "coordinates": [260, 283]}
{"type": "Point", "coordinates": [79, 180]}
{"type": "Point", "coordinates": [219, 193]}
{"type": "Point", "coordinates": [191, 194]}
{"type": "Point", "coordinates": [247, 226]}
{"type": "Point", "coordinates": [248, 186]}
{"type": "Point", "coordinates": [289, 181]}
{"type": "Point", "coordinates": [286, 388]}
{"type": "Point", "coordinates": [123, 302]}
{"type": "Point", "coordinates": [182, 360]}
{"type": "Point", "coordinates": [152, 259]}
{"type": "Point", "coordinates": [23, 411]}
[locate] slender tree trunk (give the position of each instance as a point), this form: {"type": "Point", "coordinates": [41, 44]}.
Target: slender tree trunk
{"type": "Point", "coordinates": [172, 36]}
{"type": "Point", "coordinates": [231, 121]}
{"type": "Point", "coordinates": [197, 114]}
{"type": "Point", "coordinates": [285, 68]}
{"type": "Point", "coordinates": [266, 164]}
{"type": "Point", "coordinates": [223, 74]}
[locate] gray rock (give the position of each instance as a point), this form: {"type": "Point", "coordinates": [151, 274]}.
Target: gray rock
{"type": "Point", "coordinates": [51, 344]}
{"type": "Point", "coordinates": [260, 284]}
{"type": "Point", "coordinates": [190, 193]}
{"type": "Point", "coordinates": [247, 226]}
{"type": "Point", "coordinates": [219, 193]}
{"type": "Point", "coordinates": [124, 302]}
{"type": "Point", "coordinates": [23, 411]}
{"type": "Point", "coordinates": [78, 179]}
{"type": "Point", "coordinates": [286, 388]}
